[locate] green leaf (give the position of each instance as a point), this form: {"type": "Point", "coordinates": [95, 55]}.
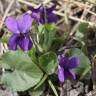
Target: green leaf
{"type": "Point", "coordinates": [23, 73]}
{"type": "Point", "coordinates": [47, 36]}
{"type": "Point", "coordinates": [41, 82]}
{"type": "Point", "coordinates": [37, 92]}
{"type": "Point", "coordinates": [41, 29]}
{"type": "Point", "coordinates": [32, 54]}
{"type": "Point", "coordinates": [84, 66]}
{"type": "Point", "coordinates": [5, 37]}
{"type": "Point", "coordinates": [80, 35]}
{"type": "Point", "coordinates": [48, 62]}
{"type": "Point", "coordinates": [83, 27]}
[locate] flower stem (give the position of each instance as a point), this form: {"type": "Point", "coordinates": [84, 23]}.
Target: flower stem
{"type": "Point", "coordinates": [53, 88]}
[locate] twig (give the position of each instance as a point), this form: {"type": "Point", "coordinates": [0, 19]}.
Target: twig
{"type": "Point", "coordinates": [91, 12]}
{"type": "Point", "coordinates": [77, 25]}
{"type": "Point", "coordinates": [74, 18]}
{"type": "Point", "coordinates": [46, 1]}
{"type": "Point", "coordinates": [27, 3]}
{"type": "Point", "coordinates": [6, 12]}
{"type": "Point", "coordinates": [58, 13]}
{"type": "Point", "coordinates": [91, 1]}
{"type": "Point", "coordinates": [32, 4]}
{"type": "Point", "coordinates": [85, 12]}
{"type": "Point", "coordinates": [77, 3]}
{"type": "Point", "coordinates": [1, 8]}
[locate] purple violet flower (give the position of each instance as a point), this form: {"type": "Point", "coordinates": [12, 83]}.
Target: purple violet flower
{"type": "Point", "coordinates": [20, 28]}
{"type": "Point", "coordinates": [44, 15]}
{"type": "Point", "coordinates": [65, 67]}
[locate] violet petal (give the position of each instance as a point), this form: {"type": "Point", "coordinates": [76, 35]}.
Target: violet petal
{"type": "Point", "coordinates": [63, 61]}
{"type": "Point", "coordinates": [25, 43]}
{"type": "Point", "coordinates": [46, 16]}
{"type": "Point", "coordinates": [36, 16]}
{"type": "Point", "coordinates": [69, 74]}
{"type": "Point", "coordinates": [73, 62]}
{"type": "Point", "coordinates": [11, 24]}
{"type": "Point", "coordinates": [61, 74]}
{"type": "Point", "coordinates": [24, 23]}
{"type": "Point", "coordinates": [40, 13]}
{"type": "Point", "coordinates": [51, 8]}
{"type": "Point", "coordinates": [13, 42]}
{"type": "Point", "coordinates": [52, 18]}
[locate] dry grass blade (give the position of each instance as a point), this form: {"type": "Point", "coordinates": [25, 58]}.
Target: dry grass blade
{"type": "Point", "coordinates": [6, 13]}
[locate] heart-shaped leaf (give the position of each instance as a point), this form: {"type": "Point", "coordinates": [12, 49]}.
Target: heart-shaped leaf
{"type": "Point", "coordinates": [21, 73]}
{"type": "Point", "coordinates": [84, 62]}
{"type": "Point", "coordinates": [48, 62]}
